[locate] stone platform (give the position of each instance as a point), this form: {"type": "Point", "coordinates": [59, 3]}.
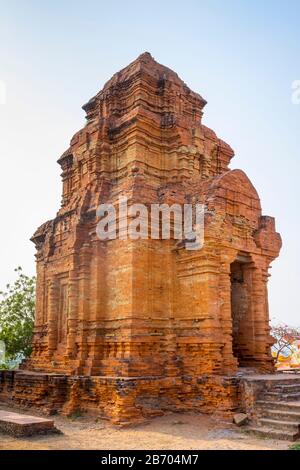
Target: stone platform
{"type": "Point", "coordinates": [19, 425]}
{"type": "Point", "coordinates": [271, 401]}
{"type": "Point", "coordinates": [123, 400]}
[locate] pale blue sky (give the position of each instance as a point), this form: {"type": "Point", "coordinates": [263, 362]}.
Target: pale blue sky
{"type": "Point", "coordinates": [241, 56]}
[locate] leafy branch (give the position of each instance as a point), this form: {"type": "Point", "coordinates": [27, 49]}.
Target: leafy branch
{"type": "Point", "coordinates": [17, 305]}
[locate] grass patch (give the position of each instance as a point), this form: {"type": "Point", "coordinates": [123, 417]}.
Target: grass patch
{"type": "Point", "coordinates": [295, 447]}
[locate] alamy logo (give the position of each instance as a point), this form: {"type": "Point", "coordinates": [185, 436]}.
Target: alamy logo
{"type": "Point", "coordinates": [156, 221]}
{"type": "Point", "coordinates": [296, 92]}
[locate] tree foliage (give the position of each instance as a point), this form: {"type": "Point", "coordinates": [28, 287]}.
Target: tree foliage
{"type": "Point", "coordinates": [285, 336]}
{"type": "Point", "coordinates": [17, 304]}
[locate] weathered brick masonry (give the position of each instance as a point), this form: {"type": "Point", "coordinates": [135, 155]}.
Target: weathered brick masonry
{"type": "Point", "coordinates": [130, 328]}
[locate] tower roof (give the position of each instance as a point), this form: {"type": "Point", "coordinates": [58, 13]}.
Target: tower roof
{"type": "Point", "coordinates": [144, 65]}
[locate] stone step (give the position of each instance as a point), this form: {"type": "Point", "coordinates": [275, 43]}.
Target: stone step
{"type": "Point", "coordinates": [282, 414]}
{"type": "Point", "coordinates": [19, 425]}
{"type": "Point", "coordinates": [279, 424]}
{"type": "Point", "coordinates": [290, 380]}
{"type": "Point", "coordinates": [279, 405]}
{"type": "Point", "coordinates": [281, 396]}
{"type": "Point", "coordinates": [294, 388]}
{"type": "Point", "coordinates": [273, 433]}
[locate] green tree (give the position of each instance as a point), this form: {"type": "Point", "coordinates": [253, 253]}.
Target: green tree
{"type": "Point", "coordinates": [17, 305]}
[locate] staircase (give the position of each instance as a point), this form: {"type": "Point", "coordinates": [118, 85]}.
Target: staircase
{"type": "Point", "coordinates": [277, 410]}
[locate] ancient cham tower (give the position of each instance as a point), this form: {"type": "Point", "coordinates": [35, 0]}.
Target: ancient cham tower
{"type": "Point", "coordinates": [131, 328]}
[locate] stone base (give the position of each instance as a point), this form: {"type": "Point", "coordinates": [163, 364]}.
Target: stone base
{"type": "Point", "coordinates": [121, 400]}
{"type": "Point", "coordinates": [18, 425]}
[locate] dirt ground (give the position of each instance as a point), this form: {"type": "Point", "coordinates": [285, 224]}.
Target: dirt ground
{"type": "Point", "coordinates": [170, 432]}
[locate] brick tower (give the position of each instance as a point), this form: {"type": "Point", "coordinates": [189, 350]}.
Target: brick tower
{"type": "Point", "coordinates": [133, 327]}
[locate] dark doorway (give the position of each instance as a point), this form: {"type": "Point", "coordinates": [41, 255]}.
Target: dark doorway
{"type": "Point", "coordinates": [239, 310]}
